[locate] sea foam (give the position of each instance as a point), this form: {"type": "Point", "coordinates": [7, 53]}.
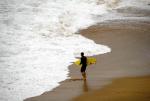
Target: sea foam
{"type": "Point", "coordinates": [39, 39]}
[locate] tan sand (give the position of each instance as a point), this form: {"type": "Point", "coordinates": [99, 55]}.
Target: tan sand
{"type": "Point", "coordinates": [124, 89]}
{"type": "Point", "coordinates": [130, 56]}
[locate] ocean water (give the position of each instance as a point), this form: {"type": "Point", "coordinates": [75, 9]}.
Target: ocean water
{"type": "Point", "coordinates": [39, 39]}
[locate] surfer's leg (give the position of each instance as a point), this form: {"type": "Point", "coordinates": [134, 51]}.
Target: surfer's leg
{"type": "Point", "coordinates": [84, 75]}
{"type": "Point", "coordinates": [83, 68]}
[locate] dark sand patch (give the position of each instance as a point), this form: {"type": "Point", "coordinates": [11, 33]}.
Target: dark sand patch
{"type": "Point", "coordinates": [134, 11]}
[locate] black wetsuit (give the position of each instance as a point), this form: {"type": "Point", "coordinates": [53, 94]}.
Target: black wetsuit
{"type": "Point", "coordinates": [84, 63]}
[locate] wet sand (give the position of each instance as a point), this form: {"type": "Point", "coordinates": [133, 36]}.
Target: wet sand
{"type": "Point", "coordinates": [130, 57]}
{"type": "Point", "coordinates": [124, 89]}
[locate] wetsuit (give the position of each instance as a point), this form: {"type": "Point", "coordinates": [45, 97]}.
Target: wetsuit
{"type": "Point", "coordinates": [84, 63]}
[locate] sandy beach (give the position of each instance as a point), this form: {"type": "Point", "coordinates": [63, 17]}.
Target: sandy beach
{"type": "Point", "coordinates": [124, 89]}
{"type": "Point", "coordinates": [121, 75]}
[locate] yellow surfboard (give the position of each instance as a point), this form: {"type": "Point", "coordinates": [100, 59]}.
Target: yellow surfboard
{"type": "Point", "coordinates": [90, 61]}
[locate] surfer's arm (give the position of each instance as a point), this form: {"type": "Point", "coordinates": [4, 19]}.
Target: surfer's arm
{"type": "Point", "coordinates": [80, 61]}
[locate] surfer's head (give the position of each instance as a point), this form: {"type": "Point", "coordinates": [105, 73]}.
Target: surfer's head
{"type": "Point", "coordinates": [82, 54]}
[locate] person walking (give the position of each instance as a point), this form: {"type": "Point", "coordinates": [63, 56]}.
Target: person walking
{"type": "Point", "coordinates": [84, 65]}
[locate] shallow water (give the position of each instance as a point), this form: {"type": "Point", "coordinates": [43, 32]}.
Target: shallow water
{"type": "Point", "coordinates": [39, 40]}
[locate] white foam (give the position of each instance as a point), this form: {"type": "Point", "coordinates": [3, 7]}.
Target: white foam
{"type": "Point", "coordinates": [38, 42]}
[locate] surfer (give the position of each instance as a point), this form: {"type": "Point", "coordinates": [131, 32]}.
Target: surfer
{"type": "Point", "coordinates": [84, 65]}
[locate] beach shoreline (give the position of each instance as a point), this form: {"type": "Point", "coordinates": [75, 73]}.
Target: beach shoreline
{"type": "Point", "coordinates": [124, 89]}
{"type": "Point", "coordinates": [129, 58]}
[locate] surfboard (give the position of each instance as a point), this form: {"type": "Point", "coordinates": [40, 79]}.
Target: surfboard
{"type": "Point", "coordinates": [90, 61]}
